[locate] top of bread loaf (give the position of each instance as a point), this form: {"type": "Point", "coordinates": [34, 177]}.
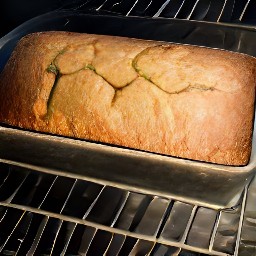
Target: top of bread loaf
{"type": "Point", "coordinates": [179, 100]}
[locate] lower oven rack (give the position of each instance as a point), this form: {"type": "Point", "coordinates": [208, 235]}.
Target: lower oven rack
{"type": "Point", "coordinates": [45, 214]}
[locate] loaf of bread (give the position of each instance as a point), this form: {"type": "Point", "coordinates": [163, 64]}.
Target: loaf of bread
{"type": "Point", "coordinates": [178, 100]}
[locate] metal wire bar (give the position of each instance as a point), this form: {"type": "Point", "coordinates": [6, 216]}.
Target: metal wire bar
{"type": "Point", "coordinates": [247, 245]}
{"type": "Point", "coordinates": [201, 229]}
{"type": "Point", "coordinates": [115, 245]}
{"type": "Point", "coordinates": [175, 227]}
{"type": "Point", "coordinates": [222, 10]}
{"type": "Point", "coordinates": [176, 14]}
{"type": "Point", "coordinates": [241, 221]}
{"type": "Point", "coordinates": [201, 10]}
{"type": "Point", "coordinates": [120, 209]}
{"type": "Point", "coordinates": [192, 10]}
{"type": "Point", "coordinates": [56, 237]}
{"type": "Point", "coordinates": [9, 236]}
{"type": "Point", "coordinates": [38, 235]}
{"type": "Point", "coordinates": [161, 8]}
{"type": "Point", "coordinates": [244, 10]}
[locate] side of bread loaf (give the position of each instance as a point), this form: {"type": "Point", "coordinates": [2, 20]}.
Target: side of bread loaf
{"type": "Point", "coordinates": [184, 101]}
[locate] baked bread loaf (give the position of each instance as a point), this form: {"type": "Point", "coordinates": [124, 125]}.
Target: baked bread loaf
{"type": "Point", "coordinates": [179, 100]}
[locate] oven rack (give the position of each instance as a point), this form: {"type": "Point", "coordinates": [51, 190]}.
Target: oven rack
{"type": "Point", "coordinates": [45, 214]}
{"type": "Point", "coordinates": [229, 11]}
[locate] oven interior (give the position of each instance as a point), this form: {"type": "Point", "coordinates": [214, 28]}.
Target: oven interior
{"type": "Point", "coordinates": [42, 213]}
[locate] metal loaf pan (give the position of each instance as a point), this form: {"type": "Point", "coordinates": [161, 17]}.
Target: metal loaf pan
{"type": "Point", "coordinates": [206, 184]}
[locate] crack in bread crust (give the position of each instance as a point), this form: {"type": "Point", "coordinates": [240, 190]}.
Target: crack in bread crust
{"type": "Point", "coordinates": [49, 100]}
{"type": "Point", "coordinates": [55, 69]}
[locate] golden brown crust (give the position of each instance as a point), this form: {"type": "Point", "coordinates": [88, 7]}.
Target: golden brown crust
{"type": "Point", "coordinates": [185, 101]}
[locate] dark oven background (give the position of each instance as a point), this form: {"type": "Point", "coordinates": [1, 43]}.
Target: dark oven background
{"type": "Point", "coordinates": [15, 12]}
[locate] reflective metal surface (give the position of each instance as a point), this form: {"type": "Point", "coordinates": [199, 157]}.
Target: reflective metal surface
{"type": "Point", "coordinates": [43, 214]}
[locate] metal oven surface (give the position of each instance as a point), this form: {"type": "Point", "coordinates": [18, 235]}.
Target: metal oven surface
{"type": "Point", "coordinates": [45, 214]}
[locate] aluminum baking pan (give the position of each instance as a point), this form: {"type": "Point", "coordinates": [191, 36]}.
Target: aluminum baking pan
{"type": "Point", "coordinates": [205, 184]}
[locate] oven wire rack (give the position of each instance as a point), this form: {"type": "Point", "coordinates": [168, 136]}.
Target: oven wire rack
{"type": "Point", "coordinates": [45, 214]}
